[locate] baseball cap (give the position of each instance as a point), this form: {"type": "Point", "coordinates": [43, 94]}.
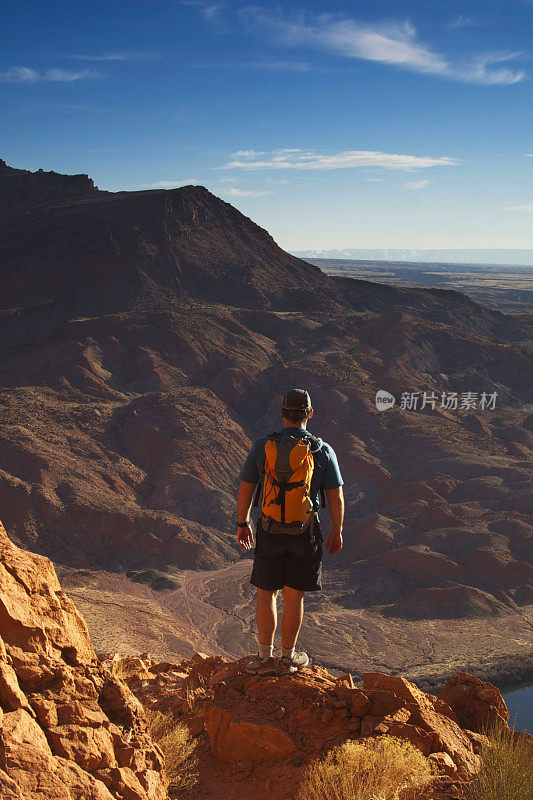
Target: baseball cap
{"type": "Point", "coordinates": [296, 400]}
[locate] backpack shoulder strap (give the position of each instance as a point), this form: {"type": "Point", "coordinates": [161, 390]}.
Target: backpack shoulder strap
{"type": "Point", "coordinates": [316, 441]}
{"type": "Point", "coordinates": [274, 435]}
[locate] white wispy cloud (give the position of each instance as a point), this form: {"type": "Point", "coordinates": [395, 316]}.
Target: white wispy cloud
{"type": "Point", "coordinates": [392, 43]}
{"type": "Point", "coordinates": [247, 153]}
{"type": "Point", "coordinates": [235, 192]}
{"type": "Point", "coordinates": [527, 207]}
{"type": "Point", "coordinates": [461, 22]}
{"type": "Point", "coordinates": [28, 75]}
{"type": "Point", "coordinates": [293, 158]}
{"type": "Point", "coordinates": [528, 155]}
{"type": "Point", "coordinates": [210, 11]}
{"type": "Point", "coordinates": [118, 55]}
{"type": "Point", "coordinates": [417, 184]}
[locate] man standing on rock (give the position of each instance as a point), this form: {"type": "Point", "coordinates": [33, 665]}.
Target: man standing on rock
{"type": "Point", "coordinates": [291, 469]}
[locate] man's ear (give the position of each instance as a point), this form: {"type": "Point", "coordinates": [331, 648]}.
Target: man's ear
{"type": "Point", "coordinates": [311, 412]}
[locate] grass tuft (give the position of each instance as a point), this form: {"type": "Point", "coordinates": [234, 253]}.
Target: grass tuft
{"type": "Point", "coordinates": [178, 748]}
{"type": "Point", "coordinates": [120, 668]}
{"type": "Point", "coordinates": [385, 768]}
{"type": "Point", "coordinates": [506, 771]}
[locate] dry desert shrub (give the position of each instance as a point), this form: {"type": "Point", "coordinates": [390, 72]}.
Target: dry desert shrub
{"type": "Point", "coordinates": [178, 748]}
{"type": "Point", "coordinates": [506, 771]}
{"type": "Point", "coordinates": [121, 668]}
{"type": "Point", "coordinates": [385, 768]}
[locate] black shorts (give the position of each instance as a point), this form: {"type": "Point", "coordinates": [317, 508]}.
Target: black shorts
{"type": "Point", "coordinates": [288, 559]}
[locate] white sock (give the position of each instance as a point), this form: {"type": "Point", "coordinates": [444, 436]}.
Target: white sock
{"type": "Point", "coordinates": [265, 651]}
{"type": "Point", "coordinates": [287, 652]}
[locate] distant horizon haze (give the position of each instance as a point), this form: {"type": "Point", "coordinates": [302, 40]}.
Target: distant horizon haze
{"type": "Point", "coordinates": [499, 257]}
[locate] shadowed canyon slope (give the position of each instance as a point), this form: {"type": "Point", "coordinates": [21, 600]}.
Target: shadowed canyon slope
{"type": "Point", "coordinates": [146, 339]}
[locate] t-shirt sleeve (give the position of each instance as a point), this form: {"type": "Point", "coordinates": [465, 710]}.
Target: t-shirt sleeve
{"type": "Point", "coordinates": [250, 471]}
{"type": "Point", "coordinates": [332, 478]}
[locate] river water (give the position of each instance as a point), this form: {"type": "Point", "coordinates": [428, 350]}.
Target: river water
{"type": "Point", "coordinates": [520, 704]}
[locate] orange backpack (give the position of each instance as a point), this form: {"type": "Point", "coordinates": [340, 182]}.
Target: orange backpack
{"type": "Point", "coordinates": [287, 505]}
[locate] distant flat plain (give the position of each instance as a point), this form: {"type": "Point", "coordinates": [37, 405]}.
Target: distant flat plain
{"type": "Point", "coordinates": [508, 289]}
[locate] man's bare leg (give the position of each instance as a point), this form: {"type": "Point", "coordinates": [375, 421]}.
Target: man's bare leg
{"type": "Point", "coordinates": [291, 618]}
{"type": "Point", "coordinates": [267, 620]}
{"type": "Point", "coordinates": [267, 616]}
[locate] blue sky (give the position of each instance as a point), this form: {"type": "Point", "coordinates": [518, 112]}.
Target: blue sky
{"type": "Point", "coordinates": [364, 124]}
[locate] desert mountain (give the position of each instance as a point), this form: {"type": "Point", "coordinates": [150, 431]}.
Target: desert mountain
{"type": "Point", "coordinates": [146, 339]}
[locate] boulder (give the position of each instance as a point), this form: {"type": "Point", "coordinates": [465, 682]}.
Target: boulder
{"type": "Point", "coordinates": [394, 687]}
{"type": "Point", "coordinates": [373, 724]}
{"type": "Point", "coordinates": [245, 739]}
{"type": "Point", "coordinates": [474, 701]}
{"type": "Point", "coordinates": [429, 714]}
{"type": "Point", "coordinates": [443, 763]}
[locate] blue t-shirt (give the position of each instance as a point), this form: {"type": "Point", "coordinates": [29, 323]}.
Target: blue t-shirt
{"type": "Point", "coordinates": [326, 473]}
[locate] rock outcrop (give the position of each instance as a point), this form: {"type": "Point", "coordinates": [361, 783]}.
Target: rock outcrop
{"type": "Point", "coordinates": [476, 702]}
{"type": "Point", "coordinates": [254, 732]}
{"type": "Point", "coordinates": [69, 729]}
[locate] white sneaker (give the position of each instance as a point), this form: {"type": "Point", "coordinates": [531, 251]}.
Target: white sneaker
{"type": "Point", "coordinates": [287, 666]}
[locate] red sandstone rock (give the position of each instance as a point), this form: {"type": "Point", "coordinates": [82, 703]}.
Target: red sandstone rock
{"type": "Point", "coordinates": [35, 613]}
{"type": "Point", "coordinates": [10, 692]}
{"type": "Point", "coordinates": [395, 686]}
{"type": "Point", "coordinates": [478, 740]}
{"type": "Point", "coordinates": [58, 737]}
{"type": "Point", "coordinates": [274, 722]}
{"type": "Point", "coordinates": [443, 762]}
{"type": "Point", "coordinates": [195, 725]}
{"type": "Point", "coordinates": [373, 724]}
{"type": "Point", "coordinates": [474, 701]}
{"type": "Point", "coordinates": [411, 733]}
{"type": "Point", "coordinates": [245, 740]}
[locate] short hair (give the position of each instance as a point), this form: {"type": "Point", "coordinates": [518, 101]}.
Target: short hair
{"type": "Point", "coordinates": [295, 416]}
